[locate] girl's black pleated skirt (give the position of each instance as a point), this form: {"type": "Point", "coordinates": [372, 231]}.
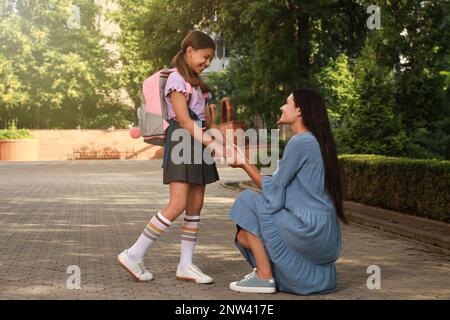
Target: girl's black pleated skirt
{"type": "Point", "coordinates": [195, 173]}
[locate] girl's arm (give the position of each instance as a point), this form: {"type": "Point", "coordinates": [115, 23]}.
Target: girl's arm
{"type": "Point", "coordinates": [211, 124]}
{"type": "Point", "coordinates": [211, 116]}
{"type": "Point", "coordinates": [181, 111]}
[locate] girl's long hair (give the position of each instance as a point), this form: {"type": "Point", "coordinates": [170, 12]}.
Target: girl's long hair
{"type": "Point", "coordinates": [197, 40]}
{"type": "Point", "coordinates": [315, 119]}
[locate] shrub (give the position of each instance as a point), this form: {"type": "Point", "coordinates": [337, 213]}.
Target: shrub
{"type": "Point", "coordinates": [13, 133]}
{"type": "Point", "coordinates": [412, 186]}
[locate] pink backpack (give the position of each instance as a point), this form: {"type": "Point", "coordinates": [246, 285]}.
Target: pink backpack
{"type": "Point", "coordinates": [152, 114]}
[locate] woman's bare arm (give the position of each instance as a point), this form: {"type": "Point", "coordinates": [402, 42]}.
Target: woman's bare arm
{"type": "Point", "coordinates": [253, 173]}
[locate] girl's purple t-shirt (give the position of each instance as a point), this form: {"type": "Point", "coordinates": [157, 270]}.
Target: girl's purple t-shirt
{"type": "Point", "coordinates": [175, 82]}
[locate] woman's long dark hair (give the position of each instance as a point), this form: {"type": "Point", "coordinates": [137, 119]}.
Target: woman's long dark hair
{"type": "Point", "coordinates": [315, 119]}
{"type": "Point", "coordinates": [197, 40]}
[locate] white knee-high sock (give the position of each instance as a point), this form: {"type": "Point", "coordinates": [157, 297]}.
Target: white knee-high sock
{"type": "Point", "coordinates": [189, 234]}
{"type": "Point", "coordinates": [155, 227]}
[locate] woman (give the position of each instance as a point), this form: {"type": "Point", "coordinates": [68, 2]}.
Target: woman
{"type": "Point", "coordinates": [290, 232]}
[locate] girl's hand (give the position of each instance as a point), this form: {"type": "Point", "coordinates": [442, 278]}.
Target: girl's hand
{"type": "Point", "coordinates": [222, 150]}
{"type": "Point", "coordinates": [211, 116]}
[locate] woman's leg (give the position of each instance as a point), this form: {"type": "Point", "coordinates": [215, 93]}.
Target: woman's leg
{"type": "Point", "coordinates": [249, 241]}
{"type": "Point", "coordinates": [242, 239]}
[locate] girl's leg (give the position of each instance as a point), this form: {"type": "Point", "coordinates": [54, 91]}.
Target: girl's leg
{"type": "Point", "coordinates": [191, 223]}
{"type": "Point", "coordinates": [195, 199]}
{"type": "Point", "coordinates": [179, 195]}
{"type": "Point", "coordinates": [162, 220]}
{"type": "Point", "coordinates": [186, 269]}
{"type": "Point", "coordinates": [249, 241]}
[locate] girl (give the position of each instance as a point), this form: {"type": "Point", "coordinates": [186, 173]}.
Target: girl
{"type": "Point", "coordinates": [186, 181]}
{"type": "Point", "coordinates": [290, 233]}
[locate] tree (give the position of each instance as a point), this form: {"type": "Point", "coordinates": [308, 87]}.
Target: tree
{"type": "Point", "coordinates": [58, 77]}
{"type": "Point", "coordinates": [151, 34]}
{"type": "Point", "coordinates": [338, 86]}
{"type": "Point", "coordinates": [280, 45]}
{"type": "Point", "coordinates": [372, 126]}
{"type": "Point", "coordinates": [386, 89]}
{"type": "Point", "coordinates": [413, 42]}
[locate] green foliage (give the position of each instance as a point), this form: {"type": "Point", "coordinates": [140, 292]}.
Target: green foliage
{"type": "Point", "coordinates": [412, 186]}
{"type": "Point", "coordinates": [387, 90]}
{"type": "Point", "coordinates": [13, 133]}
{"type": "Point", "coordinates": [52, 76]}
{"type": "Point", "coordinates": [152, 31]}
{"type": "Point", "coordinates": [277, 46]}
{"type": "Point", "coordinates": [372, 126]}
{"type": "Point", "coordinates": [413, 42]}
{"type": "Point", "coordinates": [111, 115]}
{"type": "Point", "coordinates": [337, 85]}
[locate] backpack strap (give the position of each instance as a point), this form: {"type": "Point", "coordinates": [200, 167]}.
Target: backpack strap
{"type": "Point", "coordinates": [192, 114]}
{"type": "Point", "coordinates": [206, 96]}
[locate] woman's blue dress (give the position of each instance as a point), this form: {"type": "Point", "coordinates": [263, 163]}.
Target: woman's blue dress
{"type": "Point", "coordinates": [296, 219]}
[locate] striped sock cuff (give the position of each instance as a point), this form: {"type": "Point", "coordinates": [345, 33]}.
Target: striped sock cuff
{"type": "Point", "coordinates": [156, 226]}
{"type": "Point", "coordinates": [160, 216]}
{"type": "Point", "coordinates": [190, 228]}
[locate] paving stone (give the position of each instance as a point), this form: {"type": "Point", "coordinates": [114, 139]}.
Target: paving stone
{"type": "Point", "coordinates": [83, 213]}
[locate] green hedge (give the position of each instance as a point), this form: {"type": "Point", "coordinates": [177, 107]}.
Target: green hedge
{"type": "Point", "coordinates": [412, 186]}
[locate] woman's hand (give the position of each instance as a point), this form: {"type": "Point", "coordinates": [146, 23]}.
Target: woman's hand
{"type": "Point", "coordinates": [239, 159]}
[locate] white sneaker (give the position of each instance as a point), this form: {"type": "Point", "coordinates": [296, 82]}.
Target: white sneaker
{"type": "Point", "coordinates": [193, 273]}
{"type": "Point", "coordinates": [136, 269]}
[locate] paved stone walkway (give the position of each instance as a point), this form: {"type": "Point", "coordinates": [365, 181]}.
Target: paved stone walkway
{"type": "Point", "coordinates": [82, 213]}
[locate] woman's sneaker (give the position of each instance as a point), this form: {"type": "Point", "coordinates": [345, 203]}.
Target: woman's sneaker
{"type": "Point", "coordinates": [192, 273]}
{"type": "Point", "coordinates": [253, 284]}
{"type": "Point", "coordinates": [136, 269]}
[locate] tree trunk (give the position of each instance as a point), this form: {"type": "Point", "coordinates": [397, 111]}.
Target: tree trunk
{"type": "Point", "coordinates": [304, 46]}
